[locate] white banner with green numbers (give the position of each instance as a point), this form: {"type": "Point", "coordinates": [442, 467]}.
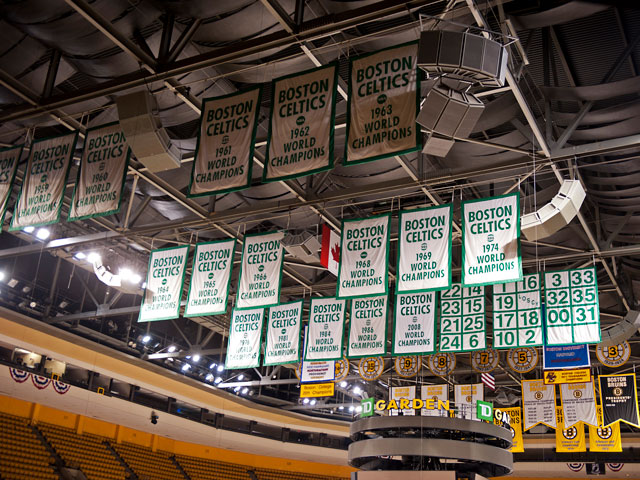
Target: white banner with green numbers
{"type": "Point", "coordinates": [283, 334]}
{"type": "Point", "coordinates": [245, 336]}
{"type": "Point", "coordinates": [260, 270]}
{"type": "Point", "coordinates": [414, 331]}
{"type": "Point", "coordinates": [364, 257]}
{"type": "Point", "coordinates": [326, 325]}
{"type": "Point", "coordinates": [103, 170]}
{"type": "Point", "coordinates": [462, 319]}
{"type": "Point", "coordinates": [9, 159]}
{"type": "Point", "coordinates": [165, 278]}
{"type": "Point", "coordinates": [383, 104]}
{"type": "Point", "coordinates": [517, 313]}
{"type": "Point", "coordinates": [424, 249]}
{"type": "Point", "coordinates": [301, 126]}
{"type": "Point", "coordinates": [45, 181]}
{"type": "Point", "coordinates": [368, 327]}
{"type": "Point", "coordinates": [491, 240]}
{"type": "Point", "coordinates": [210, 278]}
{"type": "Point", "coordinates": [224, 153]}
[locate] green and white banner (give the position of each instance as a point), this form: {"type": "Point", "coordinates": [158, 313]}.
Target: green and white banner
{"type": "Point", "coordinates": [165, 277]}
{"type": "Point", "coordinates": [491, 240]}
{"type": "Point", "coordinates": [260, 270]}
{"type": "Point", "coordinates": [383, 104]}
{"type": "Point", "coordinates": [368, 327]}
{"type": "Point", "coordinates": [364, 257]}
{"type": "Point", "coordinates": [102, 173]}
{"type": "Point", "coordinates": [283, 334]}
{"type": "Point", "coordinates": [326, 325]}
{"type": "Point", "coordinates": [9, 159]}
{"type": "Point", "coordinates": [45, 181]}
{"type": "Point", "coordinates": [210, 278]}
{"type": "Point", "coordinates": [301, 124]}
{"type": "Point", "coordinates": [245, 335]}
{"type": "Point", "coordinates": [224, 153]}
{"type": "Point", "coordinates": [414, 332]}
{"type": "Point", "coordinates": [424, 249]}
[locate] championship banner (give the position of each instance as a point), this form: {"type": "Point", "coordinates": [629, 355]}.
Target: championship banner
{"type": "Point", "coordinates": [326, 325]}
{"type": "Point", "coordinates": [605, 439]}
{"type": "Point", "coordinates": [491, 240]}
{"type": "Point", "coordinates": [570, 439]}
{"type": "Point", "coordinates": [283, 334]}
{"type": "Point", "coordinates": [383, 104]}
{"type": "Point", "coordinates": [245, 334]}
{"type": "Point", "coordinates": [436, 393]}
{"type": "Point", "coordinates": [9, 159]}
{"type": "Point", "coordinates": [364, 257]}
{"type": "Point", "coordinates": [539, 404]}
{"type": "Point", "coordinates": [517, 313]}
{"type": "Point", "coordinates": [424, 249]}
{"type": "Point", "coordinates": [619, 399]}
{"type": "Point", "coordinates": [402, 393]}
{"type": "Point", "coordinates": [301, 124]}
{"type": "Point", "coordinates": [260, 270]}
{"type": "Point", "coordinates": [44, 183]}
{"type": "Point", "coordinates": [165, 277]}
{"type": "Point", "coordinates": [210, 278]}
{"type": "Point", "coordinates": [368, 327]}
{"type": "Point", "coordinates": [511, 418]}
{"type": "Point", "coordinates": [578, 402]}
{"type": "Point", "coordinates": [466, 397]}
{"type": "Point", "coordinates": [414, 330]}
{"type": "Point", "coordinates": [224, 152]}
{"type": "Point", "coordinates": [102, 173]}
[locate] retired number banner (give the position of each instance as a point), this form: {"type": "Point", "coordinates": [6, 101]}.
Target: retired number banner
{"type": "Point", "coordinates": [45, 181]}
{"type": "Point", "coordinates": [210, 278]}
{"type": "Point", "coordinates": [301, 125]}
{"type": "Point", "coordinates": [538, 404]}
{"type": "Point", "coordinates": [103, 170]}
{"type": "Point", "coordinates": [283, 334]}
{"type": "Point", "coordinates": [414, 330]}
{"type": "Point", "coordinates": [424, 255]}
{"type": "Point", "coordinates": [9, 158]}
{"type": "Point", "coordinates": [383, 104]}
{"type": "Point", "coordinates": [491, 240]}
{"type": "Point", "coordinates": [245, 334]}
{"type": "Point", "coordinates": [224, 153]}
{"type": "Point", "coordinates": [326, 325]}
{"type": "Point", "coordinates": [260, 270]}
{"type": "Point", "coordinates": [368, 327]}
{"type": "Point", "coordinates": [165, 277]}
{"type": "Point", "coordinates": [364, 257]}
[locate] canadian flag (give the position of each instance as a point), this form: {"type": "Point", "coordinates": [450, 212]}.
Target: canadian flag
{"type": "Point", "coordinates": [330, 255]}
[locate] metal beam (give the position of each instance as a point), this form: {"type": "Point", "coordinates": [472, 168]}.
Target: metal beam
{"type": "Point", "coordinates": [276, 10]}
{"type": "Point", "coordinates": [52, 71]}
{"type": "Point", "coordinates": [183, 40]}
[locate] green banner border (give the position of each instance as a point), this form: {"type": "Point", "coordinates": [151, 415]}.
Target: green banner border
{"type": "Point", "coordinates": [484, 314]}
{"type": "Point", "coordinates": [341, 336]}
{"type": "Point", "coordinates": [435, 325]}
{"type": "Point", "coordinates": [3, 207]}
{"type": "Point", "coordinates": [226, 367]}
{"type": "Point", "coordinates": [347, 333]}
{"type": "Point", "coordinates": [266, 343]}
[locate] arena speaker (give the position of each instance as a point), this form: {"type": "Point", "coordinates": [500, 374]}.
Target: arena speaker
{"type": "Point", "coordinates": [621, 331]}
{"type": "Point", "coordinates": [304, 246]}
{"type": "Point", "coordinates": [556, 214]}
{"type": "Point", "coordinates": [144, 133]}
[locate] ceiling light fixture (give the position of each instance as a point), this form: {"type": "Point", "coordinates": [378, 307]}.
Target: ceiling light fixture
{"type": "Point", "coordinates": [218, 380]}
{"type": "Point", "coordinates": [28, 229]}
{"type": "Point", "coordinates": [43, 233]}
{"type": "Point", "coordinates": [146, 338]}
{"type": "Point", "coordinates": [196, 358]}
{"type": "Point", "coordinates": [93, 257]}
{"type": "Point", "coordinates": [80, 256]}
{"type": "Point", "coordinates": [171, 349]}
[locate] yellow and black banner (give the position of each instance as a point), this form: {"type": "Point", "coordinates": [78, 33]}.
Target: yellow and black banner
{"type": "Point", "coordinates": [511, 418]}
{"type": "Point", "coordinates": [556, 377]}
{"type": "Point", "coordinates": [571, 439]}
{"type": "Point", "coordinates": [605, 439]}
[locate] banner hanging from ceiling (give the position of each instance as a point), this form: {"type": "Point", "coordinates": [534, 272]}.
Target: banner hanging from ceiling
{"type": "Point", "coordinates": [414, 330]}
{"type": "Point", "coordinates": [619, 399]}
{"type": "Point", "coordinates": [367, 327]}
{"type": "Point", "coordinates": [301, 124]}
{"type": "Point", "coordinates": [224, 152]}
{"type": "Point", "coordinates": [578, 402]}
{"type": "Point", "coordinates": [466, 397]}
{"type": "Point", "coordinates": [383, 104]}
{"type": "Point", "coordinates": [260, 270]}
{"type": "Point", "coordinates": [424, 249]}
{"type": "Point", "coordinates": [283, 334]}
{"type": "Point", "coordinates": [570, 439]}
{"type": "Point", "coordinates": [403, 398]}
{"type": "Point", "coordinates": [102, 173]}
{"type": "Point", "coordinates": [462, 319]}
{"type": "Point", "coordinates": [364, 257]}
{"type": "Point", "coordinates": [604, 439]}
{"type": "Point", "coordinates": [491, 240]}
{"type": "Point", "coordinates": [538, 404]}
{"type": "Point", "coordinates": [326, 326]}
{"type": "Point", "coordinates": [45, 181]}
{"type": "Point", "coordinates": [245, 335]}
{"type": "Point", "coordinates": [511, 418]}
{"type": "Point", "coordinates": [9, 159]}
{"type": "Point", "coordinates": [210, 278]}
{"type": "Point", "coordinates": [165, 278]}
{"type": "Point", "coordinates": [437, 393]}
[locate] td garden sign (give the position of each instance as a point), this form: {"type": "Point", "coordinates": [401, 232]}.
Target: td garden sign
{"type": "Point", "coordinates": [369, 405]}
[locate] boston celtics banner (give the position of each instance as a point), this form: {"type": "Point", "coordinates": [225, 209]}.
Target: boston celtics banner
{"type": "Point", "coordinates": [364, 257]}
{"type": "Point", "coordinates": [424, 249]}
{"type": "Point", "coordinates": [326, 325]}
{"type": "Point", "coordinates": [260, 270]}
{"type": "Point", "coordinates": [224, 152]}
{"type": "Point", "coordinates": [604, 439]}
{"type": "Point", "coordinates": [210, 278]}
{"type": "Point", "coordinates": [301, 124]}
{"type": "Point", "coordinates": [578, 404]}
{"type": "Point", "coordinates": [383, 104]}
{"type": "Point", "coordinates": [45, 181]}
{"type": "Point", "coordinates": [368, 327]}
{"type": "Point", "coordinates": [9, 158]}
{"type": "Point", "coordinates": [245, 335]}
{"type": "Point", "coordinates": [103, 169]}
{"type": "Point", "coordinates": [538, 404]}
{"type": "Point", "coordinates": [619, 399]}
{"type": "Point", "coordinates": [491, 240]}
{"type": "Point", "coordinates": [570, 439]}
{"type": "Point", "coordinates": [283, 334]}
{"type": "Point", "coordinates": [165, 277]}
{"type": "Point", "coordinates": [414, 330]}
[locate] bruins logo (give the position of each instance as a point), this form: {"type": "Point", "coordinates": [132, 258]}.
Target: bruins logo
{"type": "Point", "coordinates": [407, 367]}
{"type": "Point", "coordinates": [342, 369]}
{"type": "Point", "coordinates": [442, 364]}
{"type": "Point", "coordinates": [617, 391]}
{"type": "Point", "coordinates": [370, 368]}
{"type": "Point", "coordinates": [577, 394]}
{"type": "Point", "coordinates": [570, 433]}
{"type": "Point", "coordinates": [605, 432]}
{"type": "Point", "coordinates": [538, 395]}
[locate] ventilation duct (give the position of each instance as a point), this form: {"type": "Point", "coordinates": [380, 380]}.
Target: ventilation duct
{"type": "Point", "coordinates": [304, 246]}
{"type": "Point", "coordinates": [622, 331]}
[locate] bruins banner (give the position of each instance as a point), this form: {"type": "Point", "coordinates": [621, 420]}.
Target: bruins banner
{"type": "Point", "coordinates": [45, 181]}
{"type": "Point", "coordinates": [511, 418]}
{"type": "Point", "coordinates": [245, 335]}
{"type": "Point", "coordinates": [491, 240]}
{"type": "Point", "coordinates": [538, 404]}
{"type": "Point", "coordinates": [436, 393]}
{"type": "Point", "coordinates": [367, 327]}
{"type": "Point", "coordinates": [604, 439]}
{"type": "Point", "coordinates": [570, 439]}
{"type": "Point", "coordinates": [283, 334]}
{"type": "Point", "coordinates": [414, 330]}
{"type": "Point", "coordinates": [619, 398]}
{"type": "Point", "coordinates": [301, 124]}
{"type": "Point", "coordinates": [578, 402]}
{"type": "Point", "coordinates": [260, 270]}
{"type": "Point", "coordinates": [383, 104]}
{"type": "Point", "coordinates": [424, 249]}
{"type": "Point", "coordinates": [326, 325]}
{"type": "Point", "coordinates": [466, 397]}
{"type": "Point", "coordinates": [103, 170]}
{"type": "Point", "coordinates": [402, 396]}
{"type": "Point", "coordinates": [9, 159]}
{"type": "Point", "coordinates": [224, 152]}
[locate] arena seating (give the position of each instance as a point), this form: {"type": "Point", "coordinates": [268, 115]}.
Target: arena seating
{"type": "Point", "coordinates": [146, 464]}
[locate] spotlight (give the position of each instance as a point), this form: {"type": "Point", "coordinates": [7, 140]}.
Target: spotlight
{"type": "Point", "coordinates": [144, 285]}
{"type": "Point", "coordinates": [209, 377]}
{"type": "Point", "coordinates": [358, 409]}
{"type": "Point", "coordinates": [312, 402]}
{"type": "Point", "coordinates": [33, 304]}
{"type": "Point", "coordinates": [352, 408]}
{"type": "Point", "coordinates": [135, 278]}
{"type": "Point", "coordinates": [236, 389]}
{"type": "Point", "coordinates": [305, 401]}
{"type": "Point", "coordinates": [28, 229]}
{"type": "Point", "coordinates": [343, 384]}
{"type": "Point", "coordinates": [171, 349]}
{"type": "Point", "coordinates": [154, 418]}
{"type": "Point", "coordinates": [186, 367]}
{"type": "Point", "coordinates": [93, 257]}
{"type": "Point", "coordinates": [245, 390]}
{"type": "Point", "coordinates": [240, 377]}
{"type": "Point", "coordinates": [357, 390]}
{"type": "Point", "coordinates": [80, 256]}
{"type": "Point", "coordinates": [221, 368]}
{"type": "Point", "coordinates": [2, 275]}
{"type": "Point", "coordinates": [43, 233]}
{"type": "Point", "coordinates": [218, 380]}
{"type": "Point", "coordinates": [212, 365]}
{"type": "Point", "coordinates": [340, 407]}
{"type": "Point", "coordinates": [196, 358]}
{"type": "Point", "coordinates": [12, 283]}
{"type": "Point", "coordinates": [146, 339]}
